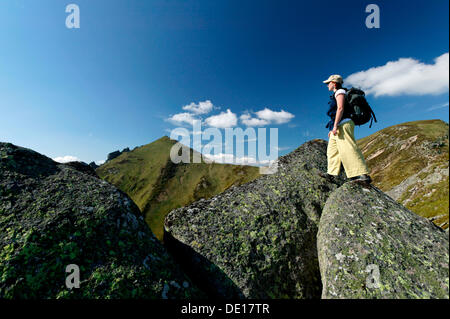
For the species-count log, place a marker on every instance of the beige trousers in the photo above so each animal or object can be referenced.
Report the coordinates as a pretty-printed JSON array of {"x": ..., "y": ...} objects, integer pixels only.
[{"x": 342, "y": 148}]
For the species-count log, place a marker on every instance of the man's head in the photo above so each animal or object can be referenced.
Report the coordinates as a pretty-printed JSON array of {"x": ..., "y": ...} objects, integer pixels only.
[{"x": 334, "y": 82}]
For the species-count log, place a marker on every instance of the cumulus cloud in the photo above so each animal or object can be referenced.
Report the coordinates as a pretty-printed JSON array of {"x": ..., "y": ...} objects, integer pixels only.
[
  {"x": 222, "y": 120},
  {"x": 66, "y": 159},
  {"x": 200, "y": 108},
  {"x": 273, "y": 116},
  {"x": 183, "y": 118},
  {"x": 246, "y": 119},
  {"x": 265, "y": 117},
  {"x": 193, "y": 110},
  {"x": 228, "y": 119},
  {"x": 227, "y": 158},
  {"x": 406, "y": 76}
]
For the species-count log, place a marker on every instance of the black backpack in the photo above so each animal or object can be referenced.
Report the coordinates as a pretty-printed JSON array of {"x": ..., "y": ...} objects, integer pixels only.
[{"x": 358, "y": 107}]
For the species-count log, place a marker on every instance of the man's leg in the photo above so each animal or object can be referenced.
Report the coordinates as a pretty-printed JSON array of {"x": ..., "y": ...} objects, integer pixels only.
[
  {"x": 351, "y": 156},
  {"x": 333, "y": 158}
]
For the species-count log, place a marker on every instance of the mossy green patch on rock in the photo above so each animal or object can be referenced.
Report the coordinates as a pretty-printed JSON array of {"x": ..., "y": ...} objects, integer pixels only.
[
  {"x": 257, "y": 240},
  {"x": 372, "y": 247},
  {"x": 53, "y": 215}
]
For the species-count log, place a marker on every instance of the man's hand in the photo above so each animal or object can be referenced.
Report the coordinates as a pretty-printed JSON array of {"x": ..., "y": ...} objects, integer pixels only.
[{"x": 335, "y": 130}]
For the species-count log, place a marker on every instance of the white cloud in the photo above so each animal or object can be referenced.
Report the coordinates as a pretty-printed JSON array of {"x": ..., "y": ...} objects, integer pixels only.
[
  {"x": 183, "y": 118},
  {"x": 200, "y": 108},
  {"x": 101, "y": 162},
  {"x": 227, "y": 158},
  {"x": 66, "y": 159},
  {"x": 275, "y": 117},
  {"x": 265, "y": 117},
  {"x": 439, "y": 106},
  {"x": 223, "y": 120},
  {"x": 406, "y": 76},
  {"x": 246, "y": 119},
  {"x": 228, "y": 119}
]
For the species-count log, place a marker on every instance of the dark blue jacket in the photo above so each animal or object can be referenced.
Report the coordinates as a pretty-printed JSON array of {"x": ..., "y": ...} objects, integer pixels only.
[{"x": 332, "y": 110}]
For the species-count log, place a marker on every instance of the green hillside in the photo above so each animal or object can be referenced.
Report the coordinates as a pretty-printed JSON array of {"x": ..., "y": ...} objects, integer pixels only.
[
  {"x": 157, "y": 185},
  {"x": 410, "y": 162}
]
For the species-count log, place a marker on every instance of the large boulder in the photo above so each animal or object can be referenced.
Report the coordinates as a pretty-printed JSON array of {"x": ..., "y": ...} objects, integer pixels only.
[
  {"x": 53, "y": 215},
  {"x": 257, "y": 240},
  {"x": 370, "y": 246}
]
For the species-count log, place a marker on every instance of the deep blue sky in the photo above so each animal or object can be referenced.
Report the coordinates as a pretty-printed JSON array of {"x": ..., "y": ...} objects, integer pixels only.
[{"x": 115, "y": 81}]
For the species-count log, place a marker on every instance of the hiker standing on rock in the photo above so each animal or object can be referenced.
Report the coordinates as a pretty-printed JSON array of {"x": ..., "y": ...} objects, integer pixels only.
[{"x": 342, "y": 147}]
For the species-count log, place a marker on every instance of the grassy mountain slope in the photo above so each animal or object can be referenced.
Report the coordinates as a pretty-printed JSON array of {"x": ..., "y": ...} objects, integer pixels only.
[
  {"x": 157, "y": 185},
  {"x": 410, "y": 162}
]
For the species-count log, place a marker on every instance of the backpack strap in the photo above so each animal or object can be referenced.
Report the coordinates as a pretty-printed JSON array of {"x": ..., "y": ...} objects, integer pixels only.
[{"x": 372, "y": 118}]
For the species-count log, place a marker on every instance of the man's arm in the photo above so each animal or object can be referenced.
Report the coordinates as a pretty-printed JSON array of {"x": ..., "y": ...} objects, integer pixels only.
[{"x": 340, "y": 111}]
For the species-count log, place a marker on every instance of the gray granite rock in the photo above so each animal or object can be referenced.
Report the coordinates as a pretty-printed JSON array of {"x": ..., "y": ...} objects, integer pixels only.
[
  {"x": 257, "y": 240},
  {"x": 370, "y": 246}
]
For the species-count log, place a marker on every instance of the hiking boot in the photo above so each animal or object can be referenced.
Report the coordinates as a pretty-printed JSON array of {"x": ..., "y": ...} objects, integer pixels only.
[
  {"x": 362, "y": 178},
  {"x": 330, "y": 178}
]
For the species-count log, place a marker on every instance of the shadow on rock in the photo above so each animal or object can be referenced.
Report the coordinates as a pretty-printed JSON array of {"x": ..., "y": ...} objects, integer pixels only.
[{"x": 207, "y": 276}]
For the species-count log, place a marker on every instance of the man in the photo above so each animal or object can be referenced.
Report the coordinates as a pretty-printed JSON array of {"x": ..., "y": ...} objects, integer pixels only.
[{"x": 342, "y": 147}]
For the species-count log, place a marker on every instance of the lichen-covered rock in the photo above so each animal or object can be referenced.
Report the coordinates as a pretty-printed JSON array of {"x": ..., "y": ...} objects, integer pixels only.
[
  {"x": 53, "y": 215},
  {"x": 83, "y": 168},
  {"x": 257, "y": 240},
  {"x": 370, "y": 246}
]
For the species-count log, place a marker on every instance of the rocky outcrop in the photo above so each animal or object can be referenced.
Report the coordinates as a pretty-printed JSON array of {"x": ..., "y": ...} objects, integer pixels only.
[
  {"x": 113, "y": 155},
  {"x": 257, "y": 240},
  {"x": 291, "y": 234},
  {"x": 116, "y": 154},
  {"x": 53, "y": 215},
  {"x": 83, "y": 168},
  {"x": 93, "y": 165},
  {"x": 370, "y": 246}
]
